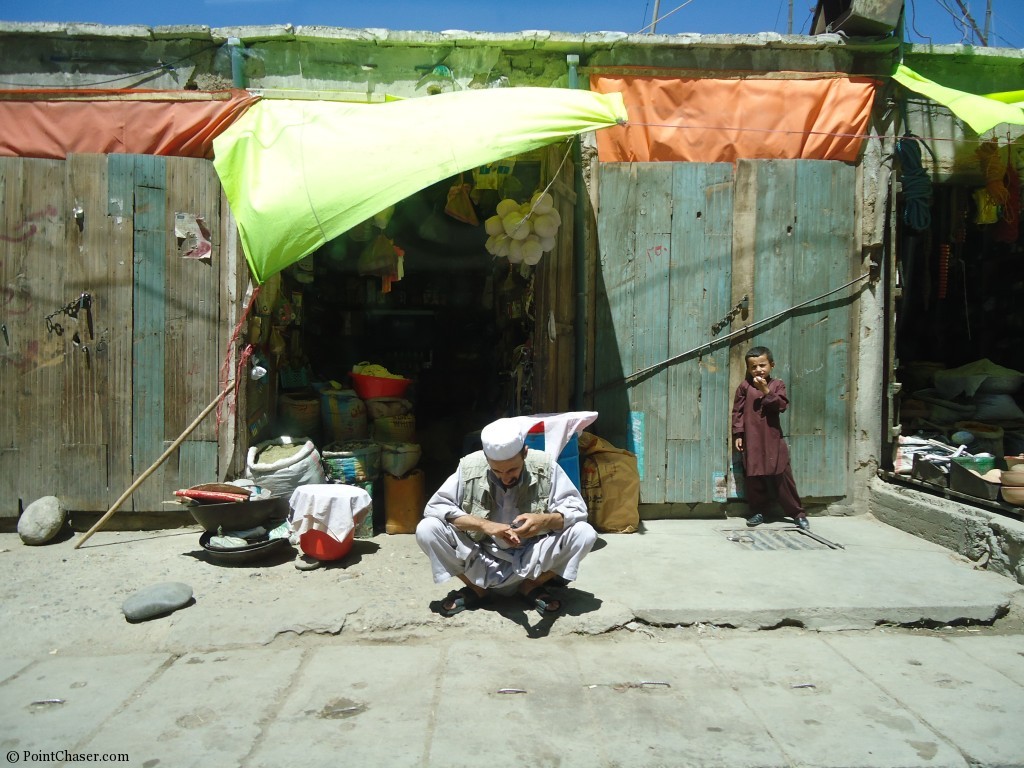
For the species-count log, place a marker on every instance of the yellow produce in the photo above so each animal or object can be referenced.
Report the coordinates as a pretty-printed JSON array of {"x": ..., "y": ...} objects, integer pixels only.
[
  {"x": 505, "y": 207},
  {"x": 372, "y": 369}
]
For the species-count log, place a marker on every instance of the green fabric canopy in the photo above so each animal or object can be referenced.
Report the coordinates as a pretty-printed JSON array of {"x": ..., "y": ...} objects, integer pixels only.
[
  {"x": 299, "y": 173},
  {"x": 982, "y": 113}
]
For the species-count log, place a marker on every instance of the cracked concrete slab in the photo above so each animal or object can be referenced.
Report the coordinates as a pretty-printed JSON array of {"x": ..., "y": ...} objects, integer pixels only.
[{"x": 677, "y": 572}]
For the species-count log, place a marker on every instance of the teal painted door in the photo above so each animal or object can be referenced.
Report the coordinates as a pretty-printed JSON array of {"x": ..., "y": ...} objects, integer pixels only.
[{"x": 680, "y": 244}]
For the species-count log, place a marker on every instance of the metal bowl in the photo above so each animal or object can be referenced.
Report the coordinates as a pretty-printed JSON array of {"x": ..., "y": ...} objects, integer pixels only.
[
  {"x": 240, "y": 516},
  {"x": 240, "y": 555}
]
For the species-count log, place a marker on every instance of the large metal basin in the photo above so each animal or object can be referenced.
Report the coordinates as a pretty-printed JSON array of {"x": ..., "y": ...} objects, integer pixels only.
[{"x": 240, "y": 516}]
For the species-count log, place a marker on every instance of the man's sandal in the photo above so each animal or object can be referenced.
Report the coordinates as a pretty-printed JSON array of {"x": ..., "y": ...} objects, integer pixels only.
[
  {"x": 541, "y": 600},
  {"x": 459, "y": 600}
]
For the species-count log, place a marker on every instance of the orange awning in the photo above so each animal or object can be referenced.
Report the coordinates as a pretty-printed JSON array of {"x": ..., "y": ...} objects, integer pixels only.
[
  {"x": 723, "y": 120},
  {"x": 55, "y": 123}
]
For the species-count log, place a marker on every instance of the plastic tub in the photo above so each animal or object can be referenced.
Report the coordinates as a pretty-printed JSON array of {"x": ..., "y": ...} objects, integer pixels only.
[
  {"x": 323, "y": 546},
  {"x": 368, "y": 387}
]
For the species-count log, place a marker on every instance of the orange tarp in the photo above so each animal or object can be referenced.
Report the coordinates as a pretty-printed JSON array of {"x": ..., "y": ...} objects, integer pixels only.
[
  {"x": 54, "y": 124},
  {"x": 717, "y": 120}
]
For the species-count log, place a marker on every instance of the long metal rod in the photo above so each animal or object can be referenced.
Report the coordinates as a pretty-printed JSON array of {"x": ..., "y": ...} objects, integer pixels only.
[
  {"x": 740, "y": 331},
  {"x": 817, "y": 538},
  {"x": 163, "y": 457}
]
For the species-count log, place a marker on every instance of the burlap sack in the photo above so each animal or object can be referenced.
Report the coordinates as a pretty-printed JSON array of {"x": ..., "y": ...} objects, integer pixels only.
[{"x": 610, "y": 483}]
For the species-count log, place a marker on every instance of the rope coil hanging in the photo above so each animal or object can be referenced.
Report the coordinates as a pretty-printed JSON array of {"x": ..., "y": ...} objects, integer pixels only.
[{"x": 917, "y": 187}]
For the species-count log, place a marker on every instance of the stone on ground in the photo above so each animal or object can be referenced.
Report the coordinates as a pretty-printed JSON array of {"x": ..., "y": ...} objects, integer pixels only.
[
  {"x": 41, "y": 520},
  {"x": 156, "y": 600}
]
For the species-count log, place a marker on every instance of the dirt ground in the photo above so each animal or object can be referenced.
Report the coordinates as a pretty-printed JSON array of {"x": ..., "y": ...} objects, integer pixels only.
[{"x": 67, "y": 600}]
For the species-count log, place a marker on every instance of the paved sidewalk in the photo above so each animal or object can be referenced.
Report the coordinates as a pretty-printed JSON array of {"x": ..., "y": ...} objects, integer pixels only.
[
  {"x": 889, "y": 652},
  {"x": 778, "y": 698}
]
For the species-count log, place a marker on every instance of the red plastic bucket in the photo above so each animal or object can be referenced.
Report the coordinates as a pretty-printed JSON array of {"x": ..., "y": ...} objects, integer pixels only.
[{"x": 323, "y": 546}]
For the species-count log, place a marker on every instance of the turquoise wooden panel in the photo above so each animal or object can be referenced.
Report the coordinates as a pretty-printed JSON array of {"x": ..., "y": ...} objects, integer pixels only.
[
  {"x": 804, "y": 234},
  {"x": 805, "y": 229},
  {"x": 148, "y": 315},
  {"x": 197, "y": 462},
  {"x": 120, "y": 185},
  {"x": 613, "y": 359},
  {"x": 700, "y": 280},
  {"x": 774, "y": 274},
  {"x": 819, "y": 439},
  {"x": 652, "y": 317}
]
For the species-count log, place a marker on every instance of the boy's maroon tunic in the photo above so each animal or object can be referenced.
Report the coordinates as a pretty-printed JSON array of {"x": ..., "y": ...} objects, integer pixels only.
[{"x": 755, "y": 418}]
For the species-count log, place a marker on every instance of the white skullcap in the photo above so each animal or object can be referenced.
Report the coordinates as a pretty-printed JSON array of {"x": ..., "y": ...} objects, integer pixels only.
[{"x": 502, "y": 440}]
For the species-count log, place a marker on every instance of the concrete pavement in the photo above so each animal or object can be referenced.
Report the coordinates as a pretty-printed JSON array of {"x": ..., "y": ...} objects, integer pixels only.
[{"x": 890, "y": 652}]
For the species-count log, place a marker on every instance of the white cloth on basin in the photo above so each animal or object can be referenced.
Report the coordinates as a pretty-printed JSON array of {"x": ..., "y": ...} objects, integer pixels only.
[{"x": 332, "y": 508}]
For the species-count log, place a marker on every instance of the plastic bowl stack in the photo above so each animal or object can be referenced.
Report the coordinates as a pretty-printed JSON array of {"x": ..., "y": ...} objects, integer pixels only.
[{"x": 1012, "y": 489}]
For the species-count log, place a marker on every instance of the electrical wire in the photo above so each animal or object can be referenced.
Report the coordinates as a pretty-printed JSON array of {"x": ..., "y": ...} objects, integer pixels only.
[{"x": 665, "y": 16}]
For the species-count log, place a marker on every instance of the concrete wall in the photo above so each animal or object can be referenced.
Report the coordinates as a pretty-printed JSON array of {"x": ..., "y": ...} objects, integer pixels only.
[{"x": 993, "y": 541}]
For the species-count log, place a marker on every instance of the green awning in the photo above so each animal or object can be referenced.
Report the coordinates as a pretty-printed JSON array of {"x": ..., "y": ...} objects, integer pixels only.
[
  {"x": 981, "y": 112},
  {"x": 299, "y": 173}
]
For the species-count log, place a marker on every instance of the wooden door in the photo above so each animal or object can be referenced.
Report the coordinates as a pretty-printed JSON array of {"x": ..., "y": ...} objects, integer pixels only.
[
  {"x": 681, "y": 244},
  {"x": 88, "y": 410},
  {"x": 554, "y": 338}
]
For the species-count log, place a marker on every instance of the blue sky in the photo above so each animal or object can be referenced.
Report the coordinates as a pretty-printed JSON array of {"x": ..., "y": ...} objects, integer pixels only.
[{"x": 933, "y": 19}]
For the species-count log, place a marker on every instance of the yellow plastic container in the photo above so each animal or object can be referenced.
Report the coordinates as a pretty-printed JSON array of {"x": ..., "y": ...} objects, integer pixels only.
[{"x": 404, "y": 499}]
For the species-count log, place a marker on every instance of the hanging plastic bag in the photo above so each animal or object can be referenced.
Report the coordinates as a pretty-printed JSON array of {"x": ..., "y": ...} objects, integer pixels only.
[
  {"x": 987, "y": 210},
  {"x": 379, "y": 258},
  {"x": 459, "y": 205}
]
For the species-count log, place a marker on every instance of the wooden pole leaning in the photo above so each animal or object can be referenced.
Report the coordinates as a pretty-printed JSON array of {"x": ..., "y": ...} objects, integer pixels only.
[{"x": 163, "y": 457}]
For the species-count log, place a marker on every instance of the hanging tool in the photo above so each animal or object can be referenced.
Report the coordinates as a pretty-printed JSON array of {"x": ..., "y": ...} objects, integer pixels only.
[
  {"x": 85, "y": 302},
  {"x": 943, "y": 270},
  {"x": 71, "y": 309}
]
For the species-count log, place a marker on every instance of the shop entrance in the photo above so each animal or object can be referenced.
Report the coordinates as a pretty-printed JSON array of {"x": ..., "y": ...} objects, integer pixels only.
[
  {"x": 957, "y": 289},
  {"x": 459, "y": 323}
]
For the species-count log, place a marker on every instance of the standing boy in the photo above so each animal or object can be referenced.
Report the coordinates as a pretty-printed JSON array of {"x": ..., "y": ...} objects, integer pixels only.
[{"x": 757, "y": 435}]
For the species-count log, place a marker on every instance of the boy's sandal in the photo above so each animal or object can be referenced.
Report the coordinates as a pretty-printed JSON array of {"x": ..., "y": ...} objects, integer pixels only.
[
  {"x": 541, "y": 600},
  {"x": 459, "y": 600}
]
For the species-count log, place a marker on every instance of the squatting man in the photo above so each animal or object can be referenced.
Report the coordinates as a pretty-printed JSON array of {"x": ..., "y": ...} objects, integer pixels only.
[{"x": 506, "y": 522}]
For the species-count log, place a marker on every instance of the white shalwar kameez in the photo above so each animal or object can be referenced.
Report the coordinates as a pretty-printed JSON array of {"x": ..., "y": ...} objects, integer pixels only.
[{"x": 493, "y": 564}]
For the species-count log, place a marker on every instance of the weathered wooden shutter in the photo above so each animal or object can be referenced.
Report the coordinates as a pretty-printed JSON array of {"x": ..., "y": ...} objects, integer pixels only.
[
  {"x": 85, "y": 415},
  {"x": 555, "y": 295},
  {"x": 668, "y": 274},
  {"x": 802, "y": 222},
  {"x": 177, "y": 335},
  {"x": 666, "y": 238}
]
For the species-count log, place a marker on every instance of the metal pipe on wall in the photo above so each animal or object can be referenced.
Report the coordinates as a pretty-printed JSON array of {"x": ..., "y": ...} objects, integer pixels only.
[
  {"x": 579, "y": 254},
  {"x": 237, "y": 62}
]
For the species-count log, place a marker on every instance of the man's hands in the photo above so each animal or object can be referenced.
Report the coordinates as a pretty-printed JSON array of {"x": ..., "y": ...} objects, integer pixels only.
[{"x": 525, "y": 526}]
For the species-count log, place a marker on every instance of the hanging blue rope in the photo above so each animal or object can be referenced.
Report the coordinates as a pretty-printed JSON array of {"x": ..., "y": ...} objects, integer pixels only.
[{"x": 917, "y": 187}]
